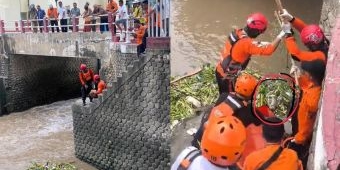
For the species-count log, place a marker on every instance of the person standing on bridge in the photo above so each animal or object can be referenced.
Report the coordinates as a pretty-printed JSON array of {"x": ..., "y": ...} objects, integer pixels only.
[
  {"x": 98, "y": 11},
  {"x": 87, "y": 15},
  {"x": 222, "y": 145},
  {"x": 112, "y": 7},
  {"x": 123, "y": 18},
  {"x": 238, "y": 49},
  {"x": 33, "y": 16},
  {"x": 75, "y": 12},
  {"x": 86, "y": 79},
  {"x": 41, "y": 15},
  {"x": 52, "y": 14},
  {"x": 62, "y": 16},
  {"x": 273, "y": 156},
  {"x": 99, "y": 86}
]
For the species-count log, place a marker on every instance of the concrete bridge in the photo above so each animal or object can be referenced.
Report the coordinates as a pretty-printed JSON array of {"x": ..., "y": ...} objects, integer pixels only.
[{"x": 55, "y": 57}]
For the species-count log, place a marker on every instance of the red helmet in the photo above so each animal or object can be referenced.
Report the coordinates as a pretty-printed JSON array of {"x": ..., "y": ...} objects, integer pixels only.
[
  {"x": 312, "y": 34},
  {"x": 257, "y": 21},
  {"x": 96, "y": 77},
  {"x": 223, "y": 140},
  {"x": 83, "y": 67}
]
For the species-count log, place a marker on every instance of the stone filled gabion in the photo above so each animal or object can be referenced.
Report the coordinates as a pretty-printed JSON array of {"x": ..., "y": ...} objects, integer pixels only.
[{"x": 130, "y": 128}]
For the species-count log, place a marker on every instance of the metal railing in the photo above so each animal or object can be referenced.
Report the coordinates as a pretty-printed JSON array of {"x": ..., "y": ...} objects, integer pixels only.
[
  {"x": 160, "y": 28},
  {"x": 78, "y": 25},
  {"x": 159, "y": 20}
]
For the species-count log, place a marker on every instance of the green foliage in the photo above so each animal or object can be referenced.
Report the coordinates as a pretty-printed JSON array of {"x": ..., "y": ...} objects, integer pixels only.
[
  {"x": 52, "y": 166},
  {"x": 202, "y": 87},
  {"x": 281, "y": 92}
]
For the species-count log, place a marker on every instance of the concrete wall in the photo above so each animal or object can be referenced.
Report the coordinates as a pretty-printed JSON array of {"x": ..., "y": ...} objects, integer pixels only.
[
  {"x": 37, "y": 80},
  {"x": 62, "y": 45},
  {"x": 128, "y": 127},
  {"x": 325, "y": 147},
  {"x": 330, "y": 10}
]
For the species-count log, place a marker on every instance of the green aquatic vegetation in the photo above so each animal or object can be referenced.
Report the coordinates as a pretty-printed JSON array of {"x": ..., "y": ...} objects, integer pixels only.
[
  {"x": 202, "y": 87},
  {"x": 280, "y": 94},
  {"x": 52, "y": 166}
]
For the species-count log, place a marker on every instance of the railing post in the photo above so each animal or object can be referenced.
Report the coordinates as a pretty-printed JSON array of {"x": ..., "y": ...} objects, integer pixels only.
[
  {"x": 127, "y": 32},
  {"x": 111, "y": 29},
  {"x": 2, "y": 27},
  {"x": 45, "y": 23},
  {"x": 29, "y": 26},
  {"x": 74, "y": 24},
  {"x": 16, "y": 26},
  {"x": 22, "y": 26}
]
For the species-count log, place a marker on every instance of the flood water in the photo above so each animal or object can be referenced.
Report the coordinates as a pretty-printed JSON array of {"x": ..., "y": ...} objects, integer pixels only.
[
  {"x": 40, "y": 134},
  {"x": 200, "y": 29}
]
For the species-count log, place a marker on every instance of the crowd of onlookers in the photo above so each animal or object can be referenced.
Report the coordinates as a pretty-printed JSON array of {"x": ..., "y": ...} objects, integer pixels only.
[{"x": 137, "y": 10}]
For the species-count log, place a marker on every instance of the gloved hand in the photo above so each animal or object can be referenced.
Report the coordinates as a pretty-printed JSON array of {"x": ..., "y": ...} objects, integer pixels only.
[
  {"x": 286, "y": 28},
  {"x": 281, "y": 34},
  {"x": 295, "y": 69},
  {"x": 286, "y": 16}
]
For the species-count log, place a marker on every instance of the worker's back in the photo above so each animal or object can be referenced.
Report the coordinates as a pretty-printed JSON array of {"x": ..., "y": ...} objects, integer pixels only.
[{"x": 287, "y": 159}]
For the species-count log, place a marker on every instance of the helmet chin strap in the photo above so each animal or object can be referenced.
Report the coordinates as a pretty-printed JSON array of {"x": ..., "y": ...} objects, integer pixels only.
[{"x": 252, "y": 33}]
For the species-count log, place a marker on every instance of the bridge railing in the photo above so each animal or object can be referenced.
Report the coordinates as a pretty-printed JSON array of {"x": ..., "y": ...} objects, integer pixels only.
[
  {"x": 77, "y": 25},
  {"x": 159, "y": 18},
  {"x": 158, "y": 23}
]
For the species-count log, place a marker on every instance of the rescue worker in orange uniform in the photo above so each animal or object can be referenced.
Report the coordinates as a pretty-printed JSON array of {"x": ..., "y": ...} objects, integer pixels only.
[
  {"x": 312, "y": 37},
  {"x": 139, "y": 34},
  {"x": 99, "y": 86},
  {"x": 223, "y": 142},
  {"x": 273, "y": 156},
  {"x": 240, "y": 47},
  {"x": 86, "y": 79},
  {"x": 237, "y": 104},
  {"x": 303, "y": 122},
  {"x": 234, "y": 103}
]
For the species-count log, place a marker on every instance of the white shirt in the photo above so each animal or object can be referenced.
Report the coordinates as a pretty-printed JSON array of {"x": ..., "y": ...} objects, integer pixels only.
[
  {"x": 166, "y": 8},
  {"x": 123, "y": 12},
  {"x": 61, "y": 12},
  {"x": 200, "y": 163}
]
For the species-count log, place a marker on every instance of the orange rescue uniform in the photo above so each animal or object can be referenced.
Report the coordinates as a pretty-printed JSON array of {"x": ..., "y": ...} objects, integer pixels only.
[
  {"x": 244, "y": 48},
  {"x": 84, "y": 77},
  {"x": 52, "y": 13},
  {"x": 288, "y": 159},
  {"x": 101, "y": 87},
  {"x": 293, "y": 48},
  {"x": 308, "y": 108},
  {"x": 112, "y": 7},
  {"x": 140, "y": 34}
]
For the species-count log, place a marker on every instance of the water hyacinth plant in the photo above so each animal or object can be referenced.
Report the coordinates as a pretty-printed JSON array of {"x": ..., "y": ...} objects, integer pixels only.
[{"x": 52, "y": 166}]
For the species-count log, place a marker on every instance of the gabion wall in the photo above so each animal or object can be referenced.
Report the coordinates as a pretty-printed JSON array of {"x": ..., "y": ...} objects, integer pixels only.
[
  {"x": 128, "y": 127},
  {"x": 39, "y": 80}
]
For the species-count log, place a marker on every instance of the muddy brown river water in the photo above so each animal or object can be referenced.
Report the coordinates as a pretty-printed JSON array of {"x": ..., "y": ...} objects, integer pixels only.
[
  {"x": 200, "y": 29},
  {"x": 40, "y": 134}
]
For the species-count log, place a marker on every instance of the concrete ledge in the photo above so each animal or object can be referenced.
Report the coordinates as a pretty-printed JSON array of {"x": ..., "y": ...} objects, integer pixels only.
[{"x": 160, "y": 43}]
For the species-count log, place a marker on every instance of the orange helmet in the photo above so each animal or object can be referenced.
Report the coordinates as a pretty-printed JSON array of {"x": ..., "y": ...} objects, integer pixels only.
[
  {"x": 223, "y": 140},
  {"x": 245, "y": 85}
]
